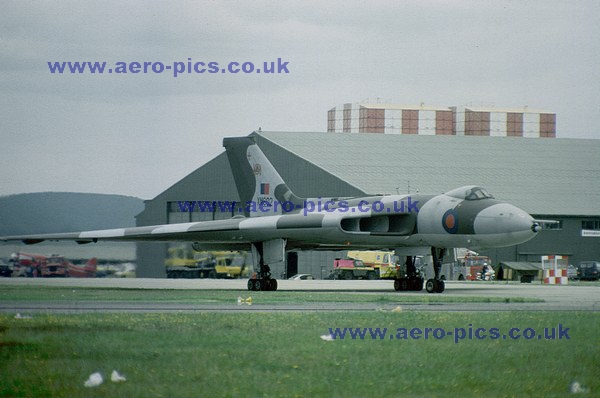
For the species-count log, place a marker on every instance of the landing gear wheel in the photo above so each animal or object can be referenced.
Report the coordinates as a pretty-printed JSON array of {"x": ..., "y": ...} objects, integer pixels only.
[
  {"x": 268, "y": 285},
  {"x": 257, "y": 285},
  {"x": 413, "y": 284},
  {"x": 404, "y": 284},
  {"x": 435, "y": 286},
  {"x": 401, "y": 285},
  {"x": 431, "y": 285},
  {"x": 416, "y": 284},
  {"x": 441, "y": 287}
]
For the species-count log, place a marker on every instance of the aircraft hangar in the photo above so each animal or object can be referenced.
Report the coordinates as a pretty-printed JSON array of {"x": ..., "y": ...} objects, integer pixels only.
[{"x": 556, "y": 179}]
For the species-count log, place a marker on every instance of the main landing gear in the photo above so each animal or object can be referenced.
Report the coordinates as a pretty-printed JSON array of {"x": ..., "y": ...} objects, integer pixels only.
[
  {"x": 265, "y": 284},
  {"x": 262, "y": 280},
  {"x": 436, "y": 285},
  {"x": 411, "y": 281}
]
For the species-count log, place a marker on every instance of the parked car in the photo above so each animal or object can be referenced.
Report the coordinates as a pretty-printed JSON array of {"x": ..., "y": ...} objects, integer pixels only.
[
  {"x": 589, "y": 270},
  {"x": 301, "y": 277}
]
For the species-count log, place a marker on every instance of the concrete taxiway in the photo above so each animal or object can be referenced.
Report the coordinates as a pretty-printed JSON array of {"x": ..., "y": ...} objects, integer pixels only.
[{"x": 554, "y": 298}]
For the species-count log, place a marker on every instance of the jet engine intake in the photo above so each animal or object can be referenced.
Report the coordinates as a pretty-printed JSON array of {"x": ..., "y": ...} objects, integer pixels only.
[{"x": 398, "y": 224}]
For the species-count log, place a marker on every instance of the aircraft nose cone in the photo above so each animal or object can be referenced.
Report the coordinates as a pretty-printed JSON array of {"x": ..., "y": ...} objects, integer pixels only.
[{"x": 504, "y": 218}]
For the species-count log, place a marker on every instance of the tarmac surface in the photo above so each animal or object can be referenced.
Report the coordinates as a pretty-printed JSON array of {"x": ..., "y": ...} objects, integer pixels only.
[{"x": 554, "y": 297}]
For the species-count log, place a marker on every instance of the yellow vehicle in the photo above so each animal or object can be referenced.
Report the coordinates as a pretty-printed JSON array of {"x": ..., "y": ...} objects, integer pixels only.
[
  {"x": 181, "y": 256},
  {"x": 384, "y": 262},
  {"x": 185, "y": 262},
  {"x": 228, "y": 265}
]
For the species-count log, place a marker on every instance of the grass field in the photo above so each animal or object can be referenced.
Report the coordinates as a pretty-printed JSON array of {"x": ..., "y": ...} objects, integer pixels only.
[{"x": 282, "y": 354}]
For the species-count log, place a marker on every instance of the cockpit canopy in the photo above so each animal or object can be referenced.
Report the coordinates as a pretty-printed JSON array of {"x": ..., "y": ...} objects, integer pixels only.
[{"x": 470, "y": 192}]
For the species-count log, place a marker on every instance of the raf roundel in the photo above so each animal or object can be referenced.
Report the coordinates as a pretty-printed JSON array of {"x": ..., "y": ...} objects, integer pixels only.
[{"x": 450, "y": 221}]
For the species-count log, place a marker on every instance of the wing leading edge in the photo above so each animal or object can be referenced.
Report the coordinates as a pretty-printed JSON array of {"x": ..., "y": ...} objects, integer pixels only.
[
  {"x": 234, "y": 230},
  {"x": 165, "y": 232}
]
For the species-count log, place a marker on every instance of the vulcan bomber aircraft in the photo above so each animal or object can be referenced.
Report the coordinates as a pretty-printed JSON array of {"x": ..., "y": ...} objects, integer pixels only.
[{"x": 271, "y": 220}]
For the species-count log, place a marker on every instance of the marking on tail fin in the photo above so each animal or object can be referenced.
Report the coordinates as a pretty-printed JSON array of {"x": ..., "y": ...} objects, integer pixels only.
[{"x": 256, "y": 178}]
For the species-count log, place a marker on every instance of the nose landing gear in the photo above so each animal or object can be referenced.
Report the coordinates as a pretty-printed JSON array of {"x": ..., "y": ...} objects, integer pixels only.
[{"x": 436, "y": 285}]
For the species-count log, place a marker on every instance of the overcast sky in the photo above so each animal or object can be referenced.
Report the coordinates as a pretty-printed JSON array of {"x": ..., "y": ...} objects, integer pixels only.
[{"x": 137, "y": 134}]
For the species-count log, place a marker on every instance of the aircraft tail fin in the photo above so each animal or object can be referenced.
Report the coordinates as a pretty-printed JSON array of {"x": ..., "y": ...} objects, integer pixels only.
[
  {"x": 92, "y": 262},
  {"x": 258, "y": 183},
  {"x": 90, "y": 267}
]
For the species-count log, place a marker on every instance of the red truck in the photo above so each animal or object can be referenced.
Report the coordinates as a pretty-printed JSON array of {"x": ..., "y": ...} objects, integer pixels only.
[
  {"x": 475, "y": 268},
  {"x": 352, "y": 269}
]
